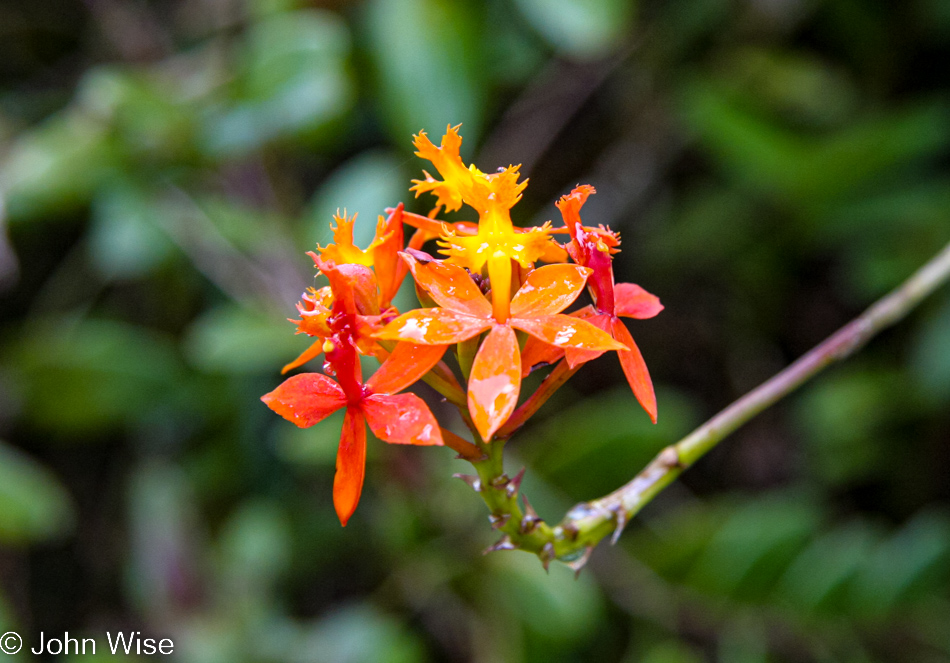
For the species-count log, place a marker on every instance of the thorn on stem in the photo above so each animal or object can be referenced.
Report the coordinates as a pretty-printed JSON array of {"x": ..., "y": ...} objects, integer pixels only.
[
  {"x": 504, "y": 543},
  {"x": 530, "y": 520},
  {"x": 621, "y": 517},
  {"x": 499, "y": 521},
  {"x": 515, "y": 484},
  {"x": 500, "y": 481},
  {"x": 581, "y": 561},
  {"x": 547, "y": 555},
  {"x": 473, "y": 481}
]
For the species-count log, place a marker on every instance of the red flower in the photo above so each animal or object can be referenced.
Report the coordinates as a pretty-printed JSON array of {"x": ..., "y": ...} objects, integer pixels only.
[
  {"x": 593, "y": 247},
  {"x": 308, "y": 398}
]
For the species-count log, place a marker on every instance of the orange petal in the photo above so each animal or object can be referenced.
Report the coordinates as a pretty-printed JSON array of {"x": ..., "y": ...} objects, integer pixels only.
[
  {"x": 306, "y": 399},
  {"x": 350, "y": 465},
  {"x": 549, "y": 290},
  {"x": 390, "y": 270},
  {"x": 433, "y": 326},
  {"x": 537, "y": 353},
  {"x": 401, "y": 419},
  {"x": 450, "y": 286},
  {"x": 565, "y": 331},
  {"x": 495, "y": 380},
  {"x": 636, "y": 370},
  {"x": 407, "y": 363},
  {"x": 632, "y": 301},
  {"x": 353, "y": 285},
  {"x": 313, "y": 351},
  {"x": 602, "y": 321}
]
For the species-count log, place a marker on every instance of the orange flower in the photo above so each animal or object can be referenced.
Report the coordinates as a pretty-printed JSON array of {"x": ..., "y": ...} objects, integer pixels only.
[
  {"x": 593, "y": 248},
  {"x": 349, "y": 301},
  {"x": 381, "y": 254},
  {"x": 495, "y": 380},
  {"x": 308, "y": 398},
  {"x": 496, "y": 242}
]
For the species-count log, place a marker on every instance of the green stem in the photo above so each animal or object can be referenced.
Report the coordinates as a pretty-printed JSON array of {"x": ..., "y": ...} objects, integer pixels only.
[
  {"x": 585, "y": 525},
  {"x": 589, "y": 522}
]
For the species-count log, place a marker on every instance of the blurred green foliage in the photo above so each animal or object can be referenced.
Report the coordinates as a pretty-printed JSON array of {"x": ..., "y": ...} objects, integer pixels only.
[{"x": 773, "y": 167}]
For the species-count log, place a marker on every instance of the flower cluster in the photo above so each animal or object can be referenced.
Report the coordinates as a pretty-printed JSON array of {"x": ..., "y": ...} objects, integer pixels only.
[{"x": 486, "y": 297}]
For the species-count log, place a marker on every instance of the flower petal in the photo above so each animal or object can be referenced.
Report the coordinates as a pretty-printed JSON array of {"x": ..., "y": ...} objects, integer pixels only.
[
  {"x": 636, "y": 370},
  {"x": 310, "y": 353},
  {"x": 401, "y": 419},
  {"x": 536, "y": 354},
  {"x": 565, "y": 331},
  {"x": 549, "y": 290},
  {"x": 450, "y": 286},
  {"x": 350, "y": 465},
  {"x": 576, "y": 357},
  {"x": 433, "y": 326},
  {"x": 306, "y": 399},
  {"x": 407, "y": 363},
  {"x": 354, "y": 286},
  {"x": 495, "y": 380},
  {"x": 632, "y": 301},
  {"x": 390, "y": 270}
]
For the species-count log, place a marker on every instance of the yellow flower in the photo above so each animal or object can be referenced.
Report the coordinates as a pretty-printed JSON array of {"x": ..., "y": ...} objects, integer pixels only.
[{"x": 497, "y": 241}]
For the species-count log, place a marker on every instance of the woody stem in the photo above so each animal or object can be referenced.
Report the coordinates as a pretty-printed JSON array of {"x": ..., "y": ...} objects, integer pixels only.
[{"x": 587, "y": 523}]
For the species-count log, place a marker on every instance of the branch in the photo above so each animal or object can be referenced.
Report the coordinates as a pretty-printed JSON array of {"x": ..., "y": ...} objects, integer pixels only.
[{"x": 589, "y": 522}]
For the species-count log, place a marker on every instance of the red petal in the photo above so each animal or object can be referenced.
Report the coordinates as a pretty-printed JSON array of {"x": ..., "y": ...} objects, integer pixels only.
[
  {"x": 495, "y": 380},
  {"x": 407, "y": 363},
  {"x": 635, "y": 369},
  {"x": 306, "y": 399},
  {"x": 565, "y": 331},
  {"x": 354, "y": 286},
  {"x": 549, "y": 290},
  {"x": 402, "y": 419},
  {"x": 434, "y": 326},
  {"x": 450, "y": 286},
  {"x": 313, "y": 351},
  {"x": 632, "y": 301},
  {"x": 350, "y": 465}
]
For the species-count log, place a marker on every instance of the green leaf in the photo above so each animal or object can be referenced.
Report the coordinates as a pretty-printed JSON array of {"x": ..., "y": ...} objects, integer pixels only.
[
  {"x": 930, "y": 360},
  {"x": 255, "y": 548},
  {"x": 818, "y": 580},
  {"x": 293, "y": 82},
  {"x": 582, "y": 29},
  {"x": 599, "y": 443},
  {"x": 905, "y": 567},
  {"x": 554, "y": 604},
  {"x": 33, "y": 504},
  {"x": 426, "y": 54},
  {"x": 87, "y": 375},
  {"x": 126, "y": 240},
  {"x": 56, "y": 166},
  {"x": 236, "y": 340}
]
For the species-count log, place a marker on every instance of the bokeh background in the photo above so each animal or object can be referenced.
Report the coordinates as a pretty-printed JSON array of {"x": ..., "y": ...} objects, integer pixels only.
[{"x": 773, "y": 165}]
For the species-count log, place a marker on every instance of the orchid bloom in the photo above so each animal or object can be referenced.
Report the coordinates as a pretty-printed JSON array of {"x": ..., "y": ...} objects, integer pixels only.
[
  {"x": 593, "y": 247},
  {"x": 495, "y": 380},
  {"x": 496, "y": 242},
  {"x": 308, "y": 398},
  {"x": 381, "y": 254}
]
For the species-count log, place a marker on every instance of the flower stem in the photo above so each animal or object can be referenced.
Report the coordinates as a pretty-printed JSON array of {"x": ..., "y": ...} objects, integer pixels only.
[
  {"x": 587, "y": 523},
  {"x": 551, "y": 383}
]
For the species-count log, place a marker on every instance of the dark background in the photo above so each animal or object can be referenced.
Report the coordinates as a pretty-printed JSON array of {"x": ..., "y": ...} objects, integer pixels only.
[{"x": 774, "y": 166}]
